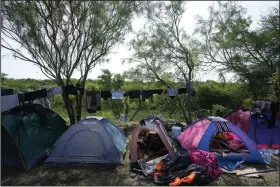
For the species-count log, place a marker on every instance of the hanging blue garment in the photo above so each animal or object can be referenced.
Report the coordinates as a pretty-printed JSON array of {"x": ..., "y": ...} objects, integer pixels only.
[{"x": 117, "y": 94}]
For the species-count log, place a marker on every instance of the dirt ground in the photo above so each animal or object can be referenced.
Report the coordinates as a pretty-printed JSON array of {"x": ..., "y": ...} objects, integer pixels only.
[{"x": 118, "y": 176}]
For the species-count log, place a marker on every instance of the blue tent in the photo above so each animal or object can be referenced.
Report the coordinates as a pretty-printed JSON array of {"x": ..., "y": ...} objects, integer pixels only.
[
  {"x": 90, "y": 141},
  {"x": 200, "y": 133}
]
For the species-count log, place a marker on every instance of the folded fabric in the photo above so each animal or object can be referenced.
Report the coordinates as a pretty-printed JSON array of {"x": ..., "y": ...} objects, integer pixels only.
[
  {"x": 172, "y": 92},
  {"x": 8, "y": 102},
  {"x": 54, "y": 91},
  {"x": 117, "y": 95},
  {"x": 106, "y": 95}
]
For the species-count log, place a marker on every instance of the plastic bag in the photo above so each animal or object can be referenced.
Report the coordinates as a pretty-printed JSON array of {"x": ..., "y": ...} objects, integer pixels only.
[{"x": 266, "y": 155}]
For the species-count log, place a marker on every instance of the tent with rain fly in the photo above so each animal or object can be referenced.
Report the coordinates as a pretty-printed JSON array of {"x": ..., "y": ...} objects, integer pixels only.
[
  {"x": 149, "y": 142},
  {"x": 257, "y": 127},
  {"x": 89, "y": 141},
  {"x": 200, "y": 133},
  {"x": 28, "y": 133}
]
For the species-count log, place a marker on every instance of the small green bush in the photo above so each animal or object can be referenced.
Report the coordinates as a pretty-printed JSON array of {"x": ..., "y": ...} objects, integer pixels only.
[{"x": 219, "y": 110}]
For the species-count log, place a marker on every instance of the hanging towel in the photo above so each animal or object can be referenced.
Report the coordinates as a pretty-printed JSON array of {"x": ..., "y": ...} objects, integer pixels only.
[
  {"x": 117, "y": 95},
  {"x": 8, "y": 102},
  {"x": 172, "y": 92},
  {"x": 31, "y": 96},
  {"x": 182, "y": 90},
  {"x": 54, "y": 91},
  {"x": 6, "y": 91},
  {"x": 92, "y": 101},
  {"x": 106, "y": 95},
  {"x": 157, "y": 91},
  {"x": 146, "y": 94},
  {"x": 133, "y": 94}
]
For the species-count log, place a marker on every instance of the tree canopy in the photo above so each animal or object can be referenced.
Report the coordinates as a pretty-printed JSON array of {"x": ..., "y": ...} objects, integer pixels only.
[{"x": 62, "y": 37}]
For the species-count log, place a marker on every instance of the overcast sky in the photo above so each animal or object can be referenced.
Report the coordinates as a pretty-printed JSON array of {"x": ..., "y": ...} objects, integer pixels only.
[{"x": 16, "y": 68}]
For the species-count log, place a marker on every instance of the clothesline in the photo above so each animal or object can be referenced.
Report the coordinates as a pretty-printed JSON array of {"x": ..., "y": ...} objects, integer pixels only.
[{"x": 93, "y": 98}]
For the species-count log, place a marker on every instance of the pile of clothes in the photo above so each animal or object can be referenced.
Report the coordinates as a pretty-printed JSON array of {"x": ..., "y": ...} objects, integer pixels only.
[
  {"x": 191, "y": 168},
  {"x": 227, "y": 142}
]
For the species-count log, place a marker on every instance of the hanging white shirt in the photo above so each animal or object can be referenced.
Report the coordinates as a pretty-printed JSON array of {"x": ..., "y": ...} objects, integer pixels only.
[{"x": 8, "y": 102}]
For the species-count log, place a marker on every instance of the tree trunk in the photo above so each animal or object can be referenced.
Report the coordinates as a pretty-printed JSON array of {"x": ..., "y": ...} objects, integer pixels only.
[
  {"x": 69, "y": 108},
  {"x": 79, "y": 99},
  {"x": 189, "y": 99}
]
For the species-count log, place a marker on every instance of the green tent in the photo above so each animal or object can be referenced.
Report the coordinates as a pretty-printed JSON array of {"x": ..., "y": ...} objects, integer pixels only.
[{"x": 28, "y": 133}]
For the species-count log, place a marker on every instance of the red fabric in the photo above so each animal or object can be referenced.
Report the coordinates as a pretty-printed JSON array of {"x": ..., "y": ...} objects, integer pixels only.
[
  {"x": 264, "y": 146},
  {"x": 208, "y": 160}
]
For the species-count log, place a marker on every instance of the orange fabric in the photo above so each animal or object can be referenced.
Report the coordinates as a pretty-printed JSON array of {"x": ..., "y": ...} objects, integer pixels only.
[
  {"x": 159, "y": 165},
  {"x": 225, "y": 136},
  {"x": 176, "y": 182},
  {"x": 189, "y": 179}
]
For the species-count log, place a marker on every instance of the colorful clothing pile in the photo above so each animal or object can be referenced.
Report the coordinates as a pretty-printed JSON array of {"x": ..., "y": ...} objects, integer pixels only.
[
  {"x": 208, "y": 160},
  {"x": 179, "y": 172}
]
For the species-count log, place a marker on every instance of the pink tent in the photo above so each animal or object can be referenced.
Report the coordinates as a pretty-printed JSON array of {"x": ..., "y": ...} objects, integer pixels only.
[{"x": 241, "y": 119}]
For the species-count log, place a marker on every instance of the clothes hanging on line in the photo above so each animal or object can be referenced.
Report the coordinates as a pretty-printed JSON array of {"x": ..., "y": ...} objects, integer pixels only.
[
  {"x": 172, "y": 92},
  {"x": 106, "y": 95},
  {"x": 157, "y": 91},
  {"x": 73, "y": 90},
  {"x": 133, "y": 94},
  {"x": 21, "y": 99},
  {"x": 92, "y": 101},
  {"x": 274, "y": 108},
  {"x": 54, "y": 91},
  {"x": 117, "y": 95},
  {"x": 6, "y": 91},
  {"x": 8, "y": 102},
  {"x": 31, "y": 96},
  {"x": 182, "y": 90},
  {"x": 146, "y": 94}
]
